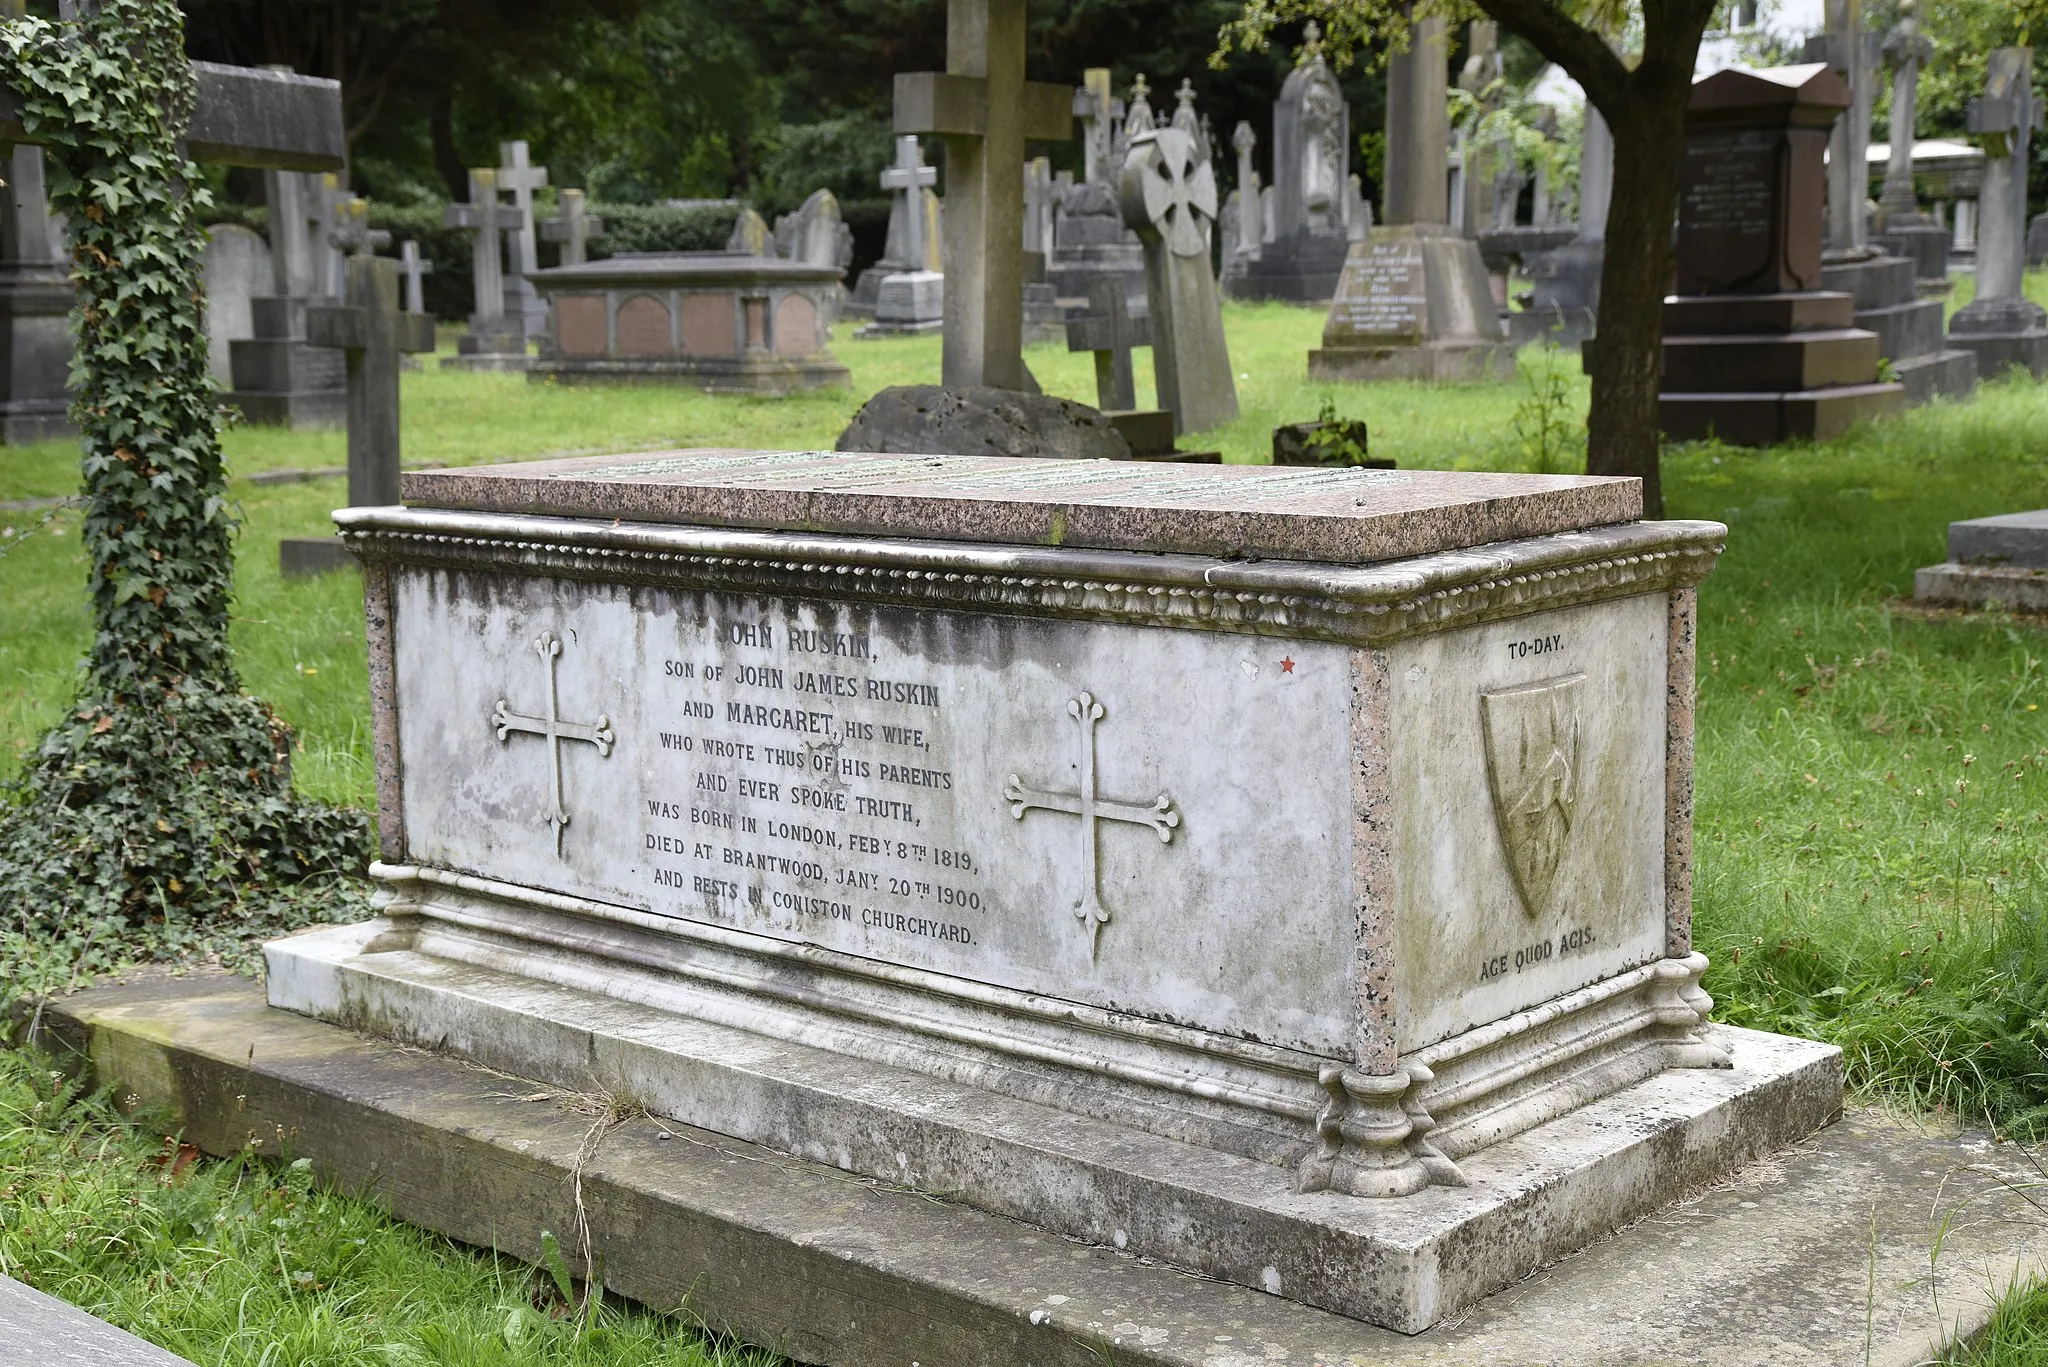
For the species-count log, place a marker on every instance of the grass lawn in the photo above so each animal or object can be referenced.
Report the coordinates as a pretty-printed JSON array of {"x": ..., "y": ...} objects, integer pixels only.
[{"x": 1873, "y": 807}]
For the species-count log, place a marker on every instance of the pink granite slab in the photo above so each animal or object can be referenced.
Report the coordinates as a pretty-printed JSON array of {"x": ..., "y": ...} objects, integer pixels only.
[{"x": 1342, "y": 516}]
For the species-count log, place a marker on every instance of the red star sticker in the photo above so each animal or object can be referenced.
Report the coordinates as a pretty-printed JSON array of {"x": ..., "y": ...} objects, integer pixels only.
[{"x": 1287, "y": 665}]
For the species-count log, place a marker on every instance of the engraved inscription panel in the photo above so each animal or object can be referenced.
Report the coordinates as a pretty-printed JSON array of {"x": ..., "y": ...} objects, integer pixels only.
[
  {"x": 1381, "y": 296},
  {"x": 1148, "y": 820},
  {"x": 1528, "y": 773}
]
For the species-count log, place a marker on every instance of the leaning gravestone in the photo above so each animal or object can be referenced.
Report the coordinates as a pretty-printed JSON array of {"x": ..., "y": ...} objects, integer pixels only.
[
  {"x": 1755, "y": 351},
  {"x": 237, "y": 264},
  {"x": 1236, "y": 866},
  {"x": 1169, "y": 198}
]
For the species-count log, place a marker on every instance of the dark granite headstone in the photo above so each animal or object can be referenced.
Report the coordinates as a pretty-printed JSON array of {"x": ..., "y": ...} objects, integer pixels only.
[{"x": 1755, "y": 351}]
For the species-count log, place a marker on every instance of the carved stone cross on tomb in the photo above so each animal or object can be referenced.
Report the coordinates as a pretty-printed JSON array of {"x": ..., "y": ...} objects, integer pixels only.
[
  {"x": 1087, "y": 804},
  {"x": 551, "y": 728},
  {"x": 986, "y": 111},
  {"x": 519, "y": 178},
  {"x": 486, "y": 218}
]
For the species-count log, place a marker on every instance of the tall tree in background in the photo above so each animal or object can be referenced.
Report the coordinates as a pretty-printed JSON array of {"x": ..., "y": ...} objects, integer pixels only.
[
  {"x": 413, "y": 52},
  {"x": 1643, "y": 99}
]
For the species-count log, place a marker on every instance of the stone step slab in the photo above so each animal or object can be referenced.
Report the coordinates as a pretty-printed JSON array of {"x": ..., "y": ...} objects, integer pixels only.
[
  {"x": 1820, "y": 1257},
  {"x": 45, "y": 1332}
]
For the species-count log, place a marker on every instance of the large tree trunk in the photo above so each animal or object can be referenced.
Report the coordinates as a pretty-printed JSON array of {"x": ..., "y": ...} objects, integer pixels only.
[{"x": 1626, "y": 360}]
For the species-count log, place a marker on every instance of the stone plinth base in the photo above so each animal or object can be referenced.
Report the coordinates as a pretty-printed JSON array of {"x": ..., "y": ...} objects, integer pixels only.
[
  {"x": 1809, "y": 1249},
  {"x": 1908, "y": 326},
  {"x": 1761, "y": 419},
  {"x": 1403, "y": 1263},
  {"x": 2003, "y": 333},
  {"x": 488, "y": 360},
  {"x": 1565, "y": 327},
  {"x": 1923, "y": 244},
  {"x": 30, "y": 420},
  {"x": 2010, "y": 588},
  {"x": 305, "y": 408},
  {"x": 910, "y": 303},
  {"x": 1303, "y": 270},
  {"x": 1753, "y": 369},
  {"x": 1436, "y": 361},
  {"x": 1414, "y": 303},
  {"x": 764, "y": 374},
  {"x": 299, "y": 557}
]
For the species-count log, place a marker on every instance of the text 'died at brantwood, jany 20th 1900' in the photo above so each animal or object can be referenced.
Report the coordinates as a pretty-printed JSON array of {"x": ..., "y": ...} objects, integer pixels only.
[{"x": 799, "y": 783}]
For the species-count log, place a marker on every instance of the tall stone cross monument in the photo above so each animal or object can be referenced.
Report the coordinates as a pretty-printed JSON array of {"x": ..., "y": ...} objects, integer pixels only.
[
  {"x": 2001, "y": 325},
  {"x": 908, "y": 179},
  {"x": 519, "y": 178},
  {"x": 1908, "y": 50},
  {"x": 1851, "y": 49},
  {"x": 986, "y": 111}
]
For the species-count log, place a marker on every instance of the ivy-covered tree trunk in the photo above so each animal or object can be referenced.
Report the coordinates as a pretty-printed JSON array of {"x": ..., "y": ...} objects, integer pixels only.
[{"x": 165, "y": 793}]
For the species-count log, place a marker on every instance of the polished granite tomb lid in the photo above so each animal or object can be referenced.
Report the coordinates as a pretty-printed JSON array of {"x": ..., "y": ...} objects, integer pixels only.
[{"x": 1342, "y": 516}]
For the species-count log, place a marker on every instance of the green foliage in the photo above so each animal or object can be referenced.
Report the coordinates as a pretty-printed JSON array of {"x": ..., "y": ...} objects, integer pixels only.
[
  {"x": 252, "y": 1263},
  {"x": 163, "y": 784},
  {"x": 662, "y": 228},
  {"x": 1549, "y": 427},
  {"x": 1337, "y": 441}
]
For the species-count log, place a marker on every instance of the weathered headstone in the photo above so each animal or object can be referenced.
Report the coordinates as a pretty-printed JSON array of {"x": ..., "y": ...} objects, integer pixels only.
[
  {"x": 35, "y": 306},
  {"x": 1089, "y": 235},
  {"x": 1852, "y": 50},
  {"x": 911, "y": 299},
  {"x": 2001, "y": 325},
  {"x": 750, "y": 235},
  {"x": 1902, "y": 228},
  {"x": 519, "y": 178},
  {"x": 986, "y": 111},
  {"x": 1755, "y": 351},
  {"x": 573, "y": 226},
  {"x": 1312, "y": 206},
  {"x": 280, "y": 379},
  {"x": 2037, "y": 238},
  {"x": 1480, "y": 78},
  {"x": 495, "y": 341},
  {"x": 920, "y": 840},
  {"x": 237, "y": 265},
  {"x": 1414, "y": 301},
  {"x": 817, "y": 236},
  {"x": 725, "y": 322},
  {"x": 1564, "y": 304},
  {"x": 1244, "y": 216},
  {"x": 1169, "y": 198}
]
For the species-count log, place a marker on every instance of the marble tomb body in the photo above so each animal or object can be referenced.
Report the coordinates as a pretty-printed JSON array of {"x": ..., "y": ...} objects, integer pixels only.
[{"x": 1284, "y": 873}]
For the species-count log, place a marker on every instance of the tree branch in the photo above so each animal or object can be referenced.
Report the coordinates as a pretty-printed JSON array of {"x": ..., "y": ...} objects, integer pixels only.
[{"x": 1583, "y": 54}]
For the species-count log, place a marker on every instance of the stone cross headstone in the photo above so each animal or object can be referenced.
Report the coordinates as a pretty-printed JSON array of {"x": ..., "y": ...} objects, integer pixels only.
[
  {"x": 352, "y": 233},
  {"x": 1907, "y": 49},
  {"x": 372, "y": 330},
  {"x": 492, "y": 339},
  {"x": 1109, "y": 331},
  {"x": 1168, "y": 195},
  {"x": 986, "y": 111},
  {"x": 2001, "y": 325},
  {"x": 1101, "y": 114},
  {"x": 573, "y": 226},
  {"x": 1480, "y": 79},
  {"x": 326, "y": 205},
  {"x": 519, "y": 178},
  {"x": 1138, "y": 116},
  {"x": 1251, "y": 227},
  {"x": 414, "y": 269},
  {"x": 907, "y": 181}
]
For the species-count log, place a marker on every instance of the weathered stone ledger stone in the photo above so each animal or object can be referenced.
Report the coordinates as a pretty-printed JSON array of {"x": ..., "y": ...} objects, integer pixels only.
[{"x": 1230, "y": 891}]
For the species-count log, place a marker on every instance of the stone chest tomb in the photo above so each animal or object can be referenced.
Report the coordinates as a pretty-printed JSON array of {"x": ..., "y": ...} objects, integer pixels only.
[
  {"x": 1281, "y": 873},
  {"x": 722, "y": 321}
]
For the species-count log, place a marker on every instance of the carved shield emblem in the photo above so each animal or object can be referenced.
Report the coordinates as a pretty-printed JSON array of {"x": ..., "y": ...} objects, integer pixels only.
[{"x": 1532, "y": 766}]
